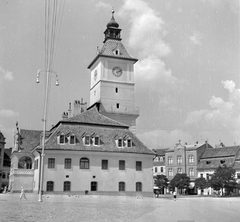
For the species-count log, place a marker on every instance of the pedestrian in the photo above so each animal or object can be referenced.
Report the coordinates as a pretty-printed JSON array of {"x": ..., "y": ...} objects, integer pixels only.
[
  {"x": 22, "y": 194},
  {"x": 5, "y": 190},
  {"x": 174, "y": 195}
]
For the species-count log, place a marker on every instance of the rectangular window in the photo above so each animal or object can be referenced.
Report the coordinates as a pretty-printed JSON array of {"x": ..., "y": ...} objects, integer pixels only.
[
  {"x": 72, "y": 139},
  {"x": 36, "y": 164},
  {"x": 138, "y": 165},
  {"x": 104, "y": 164},
  {"x": 121, "y": 164},
  {"x": 120, "y": 142},
  {"x": 190, "y": 159},
  {"x": 117, "y": 105},
  {"x": 87, "y": 140},
  {"x": 129, "y": 143},
  {"x": 96, "y": 141},
  {"x": 51, "y": 163},
  {"x": 201, "y": 175},
  {"x": 156, "y": 170},
  {"x": 179, "y": 160},
  {"x": 191, "y": 172},
  {"x": 179, "y": 170},
  {"x": 170, "y": 160},
  {"x": 207, "y": 176},
  {"x": 116, "y": 90},
  {"x": 170, "y": 172},
  {"x": 238, "y": 175},
  {"x": 68, "y": 163},
  {"x": 161, "y": 169}
]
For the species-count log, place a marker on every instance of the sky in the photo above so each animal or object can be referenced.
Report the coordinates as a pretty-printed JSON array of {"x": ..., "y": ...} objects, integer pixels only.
[{"x": 187, "y": 75}]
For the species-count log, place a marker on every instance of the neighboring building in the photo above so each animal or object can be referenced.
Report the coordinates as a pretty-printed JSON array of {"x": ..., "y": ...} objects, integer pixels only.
[
  {"x": 159, "y": 168},
  {"x": 112, "y": 79},
  {"x": 213, "y": 158},
  {"x": 6, "y": 167},
  {"x": 95, "y": 149},
  {"x": 184, "y": 159},
  {"x": 2, "y": 145},
  {"x": 159, "y": 162}
]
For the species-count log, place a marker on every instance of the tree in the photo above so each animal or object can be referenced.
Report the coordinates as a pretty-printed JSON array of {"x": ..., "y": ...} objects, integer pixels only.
[
  {"x": 161, "y": 181},
  {"x": 181, "y": 181},
  {"x": 201, "y": 183},
  {"x": 223, "y": 177}
]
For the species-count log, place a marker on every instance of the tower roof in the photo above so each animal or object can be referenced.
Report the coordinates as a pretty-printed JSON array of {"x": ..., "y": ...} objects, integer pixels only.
[{"x": 112, "y": 22}]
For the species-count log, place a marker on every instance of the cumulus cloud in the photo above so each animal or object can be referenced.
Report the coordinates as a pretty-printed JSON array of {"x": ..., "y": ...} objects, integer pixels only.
[
  {"x": 7, "y": 113},
  {"x": 6, "y": 74},
  {"x": 223, "y": 115},
  {"x": 147, "y": 32}
]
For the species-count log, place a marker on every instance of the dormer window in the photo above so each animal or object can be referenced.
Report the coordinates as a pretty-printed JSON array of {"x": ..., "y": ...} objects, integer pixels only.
[
  {"x": 208, "y": 162},
  {"x": 96, "y": 140},
  {"x": 222, "y": 161},
  {"x": 87, "y": 140},
  {"x": 129, "y": 143},
  {"x": 72, "y": 139},
  {"x": 62, "y": 139},
  {"x": 117, "y": 52},
  {"x": 120, "y": 143}
]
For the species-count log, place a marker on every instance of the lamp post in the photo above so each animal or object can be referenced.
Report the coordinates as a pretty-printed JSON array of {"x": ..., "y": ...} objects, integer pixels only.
[{"x": 48, "y": 72}]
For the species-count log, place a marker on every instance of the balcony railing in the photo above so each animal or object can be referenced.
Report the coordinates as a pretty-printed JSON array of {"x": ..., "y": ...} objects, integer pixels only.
[{"x": 23, "y": 171}]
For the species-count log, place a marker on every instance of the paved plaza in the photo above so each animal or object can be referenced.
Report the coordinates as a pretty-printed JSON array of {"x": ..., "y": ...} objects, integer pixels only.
[{"x": 110, "y": 208}]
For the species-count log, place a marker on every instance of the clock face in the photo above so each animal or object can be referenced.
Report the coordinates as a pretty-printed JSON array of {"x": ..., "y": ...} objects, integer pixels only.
[
  {"x": 95, "y": 75},
  {"x": 117, "y": 71}
]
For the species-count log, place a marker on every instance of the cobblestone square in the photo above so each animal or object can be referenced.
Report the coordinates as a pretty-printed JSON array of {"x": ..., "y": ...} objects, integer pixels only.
[{"x": 110, "y": 208}]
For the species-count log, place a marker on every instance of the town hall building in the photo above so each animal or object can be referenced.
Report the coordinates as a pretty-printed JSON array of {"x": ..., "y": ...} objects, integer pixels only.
[{"x": 95, "y": 149}]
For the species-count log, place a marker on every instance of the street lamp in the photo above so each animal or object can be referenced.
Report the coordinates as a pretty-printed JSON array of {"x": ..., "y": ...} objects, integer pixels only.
[{"x": 48, "y": 72}]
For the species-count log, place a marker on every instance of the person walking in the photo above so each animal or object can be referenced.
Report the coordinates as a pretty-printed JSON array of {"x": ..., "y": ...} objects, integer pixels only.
[
  {"x": 174, "y": 195},
  {"x": 22, "y": 194}
]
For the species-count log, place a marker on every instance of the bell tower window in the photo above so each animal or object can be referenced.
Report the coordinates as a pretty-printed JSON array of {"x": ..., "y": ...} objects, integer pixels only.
[
  {"x": 117, "y": 105},
  {"x": 116, "y": 90}
]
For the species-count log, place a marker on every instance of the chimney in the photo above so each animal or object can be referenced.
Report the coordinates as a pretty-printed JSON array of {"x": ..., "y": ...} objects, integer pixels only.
[
  {"x": 69, "y": 111},
  {"x": 64, "y": 115},
  {"x": 83, "y": 106},
  {"x": 76, "y": 108}
]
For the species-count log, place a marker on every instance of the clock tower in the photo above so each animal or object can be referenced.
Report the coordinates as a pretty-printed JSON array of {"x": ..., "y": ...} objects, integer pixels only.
[{"x": 112, "y": 79}]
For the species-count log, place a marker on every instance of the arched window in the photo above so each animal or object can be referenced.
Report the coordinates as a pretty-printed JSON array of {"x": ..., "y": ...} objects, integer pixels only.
[
  {"x": 25, "y": 162},
  {"x": 84, "y": 163},
  {"x": 67, "y": 186},
  {"x": 50, "y": 186},
  {"x": 139, "y": 186},
  {"x": 121, "y": 186}
]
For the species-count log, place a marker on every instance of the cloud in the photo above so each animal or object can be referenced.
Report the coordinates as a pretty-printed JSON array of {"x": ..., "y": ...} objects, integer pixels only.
[
  {"x": 103, "y": 5},
  {"x": 164, "y": 139},
  {"x": 223, "y": 119},
  {"x": 196, "y": 38},
  {"x": 6, "y": 74},
  {"x": 6, "y": 113}
]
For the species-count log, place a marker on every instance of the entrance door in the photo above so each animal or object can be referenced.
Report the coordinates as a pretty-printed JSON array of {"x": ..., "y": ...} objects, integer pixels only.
[{"x": 93, "y": 186}]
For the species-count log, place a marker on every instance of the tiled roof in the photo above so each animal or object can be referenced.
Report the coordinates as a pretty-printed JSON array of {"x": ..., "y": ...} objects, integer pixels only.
[
  {"x": 220, "y": 152},
  {"x": 92, "y": 116},
  {"x": 215, "y": 163},
  {"x": 238, "y": 154},
  {"x": 107, "y": 135},
  {"x": 160, "y": 152},
  {"x": 236, "y": 165},
  {"x": 111, "y": 45},
  {"x": 29, "y": 139},
  {"x": 108, "y": 50},
  {"x": 91, "y": 122}
]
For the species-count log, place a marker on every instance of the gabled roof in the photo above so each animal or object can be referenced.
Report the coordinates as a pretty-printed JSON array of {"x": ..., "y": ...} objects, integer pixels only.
[
  {"x": 29, "y": 139},
  {"x": 93, "y": 117},
  {"x": 159, "y": 152},
  {"x": 108, "y": 50},
  {"x": 108, "y": 136},
  {"x": 215, "y": 163},
  {"x": 220, "y": 152}
]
